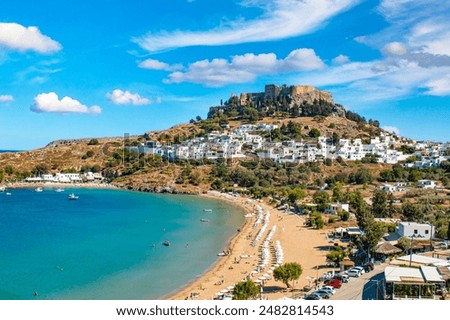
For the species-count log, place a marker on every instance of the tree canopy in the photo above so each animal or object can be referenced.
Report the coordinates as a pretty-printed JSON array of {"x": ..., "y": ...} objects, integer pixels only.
[
  {"x": 288, "y": 272},
  {"x": 379, "y": 204},
  {"x": 245, "y": 290}
]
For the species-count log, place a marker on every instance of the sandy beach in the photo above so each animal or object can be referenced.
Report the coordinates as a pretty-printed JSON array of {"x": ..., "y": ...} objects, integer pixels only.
[{"x": 298, "y": 243}]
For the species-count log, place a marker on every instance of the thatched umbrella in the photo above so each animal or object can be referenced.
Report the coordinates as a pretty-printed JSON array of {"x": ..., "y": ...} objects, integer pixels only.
[
  {"x": 387, "y": 249},
  {"x": 420, "y": 244}
]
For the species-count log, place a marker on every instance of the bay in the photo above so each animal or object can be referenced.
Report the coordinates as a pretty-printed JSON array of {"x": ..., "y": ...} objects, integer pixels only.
[{"x": 108, "y": 243}]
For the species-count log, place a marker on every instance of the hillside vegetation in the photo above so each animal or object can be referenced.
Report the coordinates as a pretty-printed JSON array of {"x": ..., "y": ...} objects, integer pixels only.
[{"x": 291, "y": 184}]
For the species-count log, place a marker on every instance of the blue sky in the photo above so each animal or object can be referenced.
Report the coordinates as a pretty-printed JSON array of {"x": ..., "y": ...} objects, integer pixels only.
[{"x": 104, "y": 68}]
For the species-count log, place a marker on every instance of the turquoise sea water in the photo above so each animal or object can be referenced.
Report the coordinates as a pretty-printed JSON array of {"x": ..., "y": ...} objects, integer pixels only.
[{"x": 108, "y": 243}]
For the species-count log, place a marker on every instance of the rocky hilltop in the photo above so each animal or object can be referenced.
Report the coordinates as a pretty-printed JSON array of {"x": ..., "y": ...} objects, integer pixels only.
[
  {"x": 296, "y": 94},
  {"x": 295, "y": 100}
]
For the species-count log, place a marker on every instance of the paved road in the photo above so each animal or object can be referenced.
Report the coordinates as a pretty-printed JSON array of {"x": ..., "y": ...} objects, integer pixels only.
[{"x": 364, "y": 287}]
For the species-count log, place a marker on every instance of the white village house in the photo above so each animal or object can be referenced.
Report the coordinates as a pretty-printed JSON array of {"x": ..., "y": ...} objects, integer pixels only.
[
  {"x": 334, "y": 208},
  {"x": 423, "y": 231},
  {"x": 426, "y": 184}
]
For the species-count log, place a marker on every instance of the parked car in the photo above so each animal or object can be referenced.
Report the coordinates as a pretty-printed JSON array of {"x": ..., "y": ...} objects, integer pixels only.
[
  {"x": 313, "y": 296},
  {"x": 370, "y": 265},
  {"x": 329, "y": 289},
  {"x": 353, "y": 273},
  {"x": 335, "y": 283},
  {"x": 324, "y": 294},
  {"x": 367, "y": 268},
  {"x": 342, "y": 277},
  {"x": 359, "y": 269}
]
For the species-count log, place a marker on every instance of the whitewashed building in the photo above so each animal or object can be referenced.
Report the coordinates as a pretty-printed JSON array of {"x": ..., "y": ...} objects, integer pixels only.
[
  {"x": 415, "y": 230},
  {"x": 334, "y": 208},
  {"x": 426, "y": 184}
]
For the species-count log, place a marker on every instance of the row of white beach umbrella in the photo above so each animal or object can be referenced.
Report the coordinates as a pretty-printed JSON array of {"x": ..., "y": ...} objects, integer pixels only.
[
  {"x": 227, "y": 292},
  {"x": 259, "y": 217},
  {"x": 279, "y": 256},
  {"x": 262, "y": 230},
  {"x": 265, "y": 252}
]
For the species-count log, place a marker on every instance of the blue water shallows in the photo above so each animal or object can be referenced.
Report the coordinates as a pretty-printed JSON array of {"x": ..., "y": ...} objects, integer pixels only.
[{"x": 108, "y": 243}]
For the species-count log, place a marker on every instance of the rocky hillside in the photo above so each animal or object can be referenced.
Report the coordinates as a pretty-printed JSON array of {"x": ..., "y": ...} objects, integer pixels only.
[
  {"x": 309, "y": 111},
  {"x": 107, "y": 154},
  {"x": 294, "y": 101}
]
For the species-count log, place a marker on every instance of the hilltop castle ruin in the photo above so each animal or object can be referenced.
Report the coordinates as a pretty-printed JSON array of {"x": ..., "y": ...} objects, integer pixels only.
[
  {"x": 295, "y": 100},
  {"x": 297, "y": 94}
]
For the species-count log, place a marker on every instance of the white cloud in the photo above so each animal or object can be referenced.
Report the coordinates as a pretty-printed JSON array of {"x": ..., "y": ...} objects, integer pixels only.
[
  {"x": 416, "y": 57},
  {"x": 6, "y": 98},
  {"x": 420, "y": 25},
  {"x": 126, "y": 97},
  {"x": 341, "y": 59},
  {"x": 50, "y": 103},
  {"x": 302, "y": 60},
  {"x": 439, "y": 86},
  {"x": 17, "y": 37},
  {"x": 432, "y": 36},
  {"x": 392, "y": 129},
  {"x": 253, "y": 63},
  {"x": 281, "y": 19},
  {"x": 394, "y": 49},
  {"x": 246, "y": 68},
  {"x": 153, "y": 64}
]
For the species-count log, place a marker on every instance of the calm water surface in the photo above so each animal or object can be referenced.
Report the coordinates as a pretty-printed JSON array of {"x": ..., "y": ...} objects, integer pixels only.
[{"x": 108, "y": 243}]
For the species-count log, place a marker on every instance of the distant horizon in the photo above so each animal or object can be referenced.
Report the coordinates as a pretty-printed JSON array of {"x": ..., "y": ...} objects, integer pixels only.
[
  {"x": 83, "y": 69},
  {"x": 6, "y": 150}
]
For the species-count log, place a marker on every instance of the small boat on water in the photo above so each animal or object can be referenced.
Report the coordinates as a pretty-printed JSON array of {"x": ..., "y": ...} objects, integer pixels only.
[
  {"x": 39, "y": 189},
  {"x": 166, "y": 243},
  {"x": 72, "y": 196},
  {"x": 2, "y": 188},
  {"x": 204, "y": 220},
  {"x": 59, "y": 190},
  {"x": 207, "y": 210},
  {"x": 8, "y": 193}
]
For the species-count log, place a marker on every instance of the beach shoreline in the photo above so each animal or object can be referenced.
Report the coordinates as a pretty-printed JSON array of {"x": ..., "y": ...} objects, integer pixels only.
[
  {"x": 178, "y": 293},
  {"x": 300, "y": 244}
]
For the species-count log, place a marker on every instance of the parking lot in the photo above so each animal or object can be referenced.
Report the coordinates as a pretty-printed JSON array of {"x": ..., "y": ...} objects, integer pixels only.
[{"x": 369, "y": 286}]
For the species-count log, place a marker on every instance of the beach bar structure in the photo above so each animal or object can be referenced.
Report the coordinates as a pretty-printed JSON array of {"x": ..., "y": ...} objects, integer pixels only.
[{"x": 404, "y": 283}]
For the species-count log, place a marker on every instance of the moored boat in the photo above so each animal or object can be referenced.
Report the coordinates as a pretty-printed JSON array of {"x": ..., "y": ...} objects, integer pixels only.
[
  {"x": 166, "y": 243},
  {"x": 39, "y": 189},
  {"x": 72, "y": 196}
]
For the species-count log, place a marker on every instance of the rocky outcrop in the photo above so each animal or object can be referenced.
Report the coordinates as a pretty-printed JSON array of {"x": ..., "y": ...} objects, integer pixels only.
[
  {"x": 296, "y": 100},
  {"x": 297, "y": 94},
  {"x": 309, "y": 94}
]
